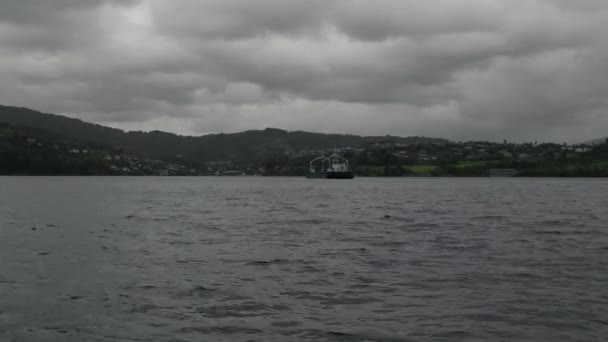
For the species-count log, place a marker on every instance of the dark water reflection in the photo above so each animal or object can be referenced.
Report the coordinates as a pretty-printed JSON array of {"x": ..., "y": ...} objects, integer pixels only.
[{"x": 278, "y": 259}]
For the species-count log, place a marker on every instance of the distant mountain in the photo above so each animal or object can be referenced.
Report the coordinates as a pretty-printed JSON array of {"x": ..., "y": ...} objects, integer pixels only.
[{"x": 245, "y": 146}]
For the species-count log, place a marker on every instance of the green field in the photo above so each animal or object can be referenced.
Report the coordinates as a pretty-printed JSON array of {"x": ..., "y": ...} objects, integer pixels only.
[
  {"x": 482, "y": 163},
  {"x": 425, "y": 169},
  {"x": 422, "y": 170}
]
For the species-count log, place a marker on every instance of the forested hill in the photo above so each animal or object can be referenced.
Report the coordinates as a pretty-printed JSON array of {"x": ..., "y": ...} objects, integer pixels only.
[
  {"x": 245, "y": 146},
  {"x": 32, "y": 151}
]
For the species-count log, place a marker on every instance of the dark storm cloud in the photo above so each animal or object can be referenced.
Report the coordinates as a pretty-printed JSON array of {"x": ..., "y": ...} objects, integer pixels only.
[{"x": 460, "y": 69}]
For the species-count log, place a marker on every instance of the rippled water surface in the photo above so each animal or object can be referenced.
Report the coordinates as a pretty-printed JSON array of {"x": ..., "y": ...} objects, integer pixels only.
[{"x": 290, "y": 259}]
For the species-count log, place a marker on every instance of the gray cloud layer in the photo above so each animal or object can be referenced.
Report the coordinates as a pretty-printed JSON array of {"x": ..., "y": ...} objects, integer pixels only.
[{"x": 468, "y": 69}]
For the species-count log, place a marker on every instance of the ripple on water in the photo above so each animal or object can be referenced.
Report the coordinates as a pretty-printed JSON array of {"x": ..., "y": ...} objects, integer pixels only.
[
  {"x": 294, "y": 260},
  {"x": 240, "y": 309},
  {"x": 198, "y": 292},
  {"x": 267, "y": 262},
  {"x": 219, "y": 330}
]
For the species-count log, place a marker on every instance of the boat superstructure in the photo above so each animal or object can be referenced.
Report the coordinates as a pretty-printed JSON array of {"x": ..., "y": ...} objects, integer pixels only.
[{"x": 332, "y": 167}]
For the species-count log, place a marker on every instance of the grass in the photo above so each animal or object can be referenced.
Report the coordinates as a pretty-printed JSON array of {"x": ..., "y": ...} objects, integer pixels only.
[
  {"x": 479, "y": 163},
  {"x": 422, "y": 170},
  {"x": 426, "y": 169}
]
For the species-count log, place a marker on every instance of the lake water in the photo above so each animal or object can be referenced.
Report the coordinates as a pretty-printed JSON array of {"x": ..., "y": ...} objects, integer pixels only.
[{"x": 290, "y": 259}]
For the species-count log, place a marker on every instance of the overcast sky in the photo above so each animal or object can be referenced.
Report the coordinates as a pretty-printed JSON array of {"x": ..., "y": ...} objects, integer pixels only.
[{"x": 469, "y": 69}]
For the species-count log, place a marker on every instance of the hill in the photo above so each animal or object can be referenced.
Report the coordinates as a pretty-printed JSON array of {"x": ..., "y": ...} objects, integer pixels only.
[
  {"x": 32, "y": 151},
  {"x": 240, "y": 147}
]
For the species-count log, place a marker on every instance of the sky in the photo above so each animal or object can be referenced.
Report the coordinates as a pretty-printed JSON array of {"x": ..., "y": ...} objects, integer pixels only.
[{"x": 522, "y": 70}]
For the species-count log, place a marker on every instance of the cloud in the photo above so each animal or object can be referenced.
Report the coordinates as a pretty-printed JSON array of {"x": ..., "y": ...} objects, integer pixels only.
[{"x": 471, "y": 69}]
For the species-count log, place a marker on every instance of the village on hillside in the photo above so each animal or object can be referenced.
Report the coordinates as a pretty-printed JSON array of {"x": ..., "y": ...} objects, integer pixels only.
[{"x": 27, "y": 153}]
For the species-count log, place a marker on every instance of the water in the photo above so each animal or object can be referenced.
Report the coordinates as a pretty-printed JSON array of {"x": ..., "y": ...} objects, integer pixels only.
[{"x": 290, "y": 259}]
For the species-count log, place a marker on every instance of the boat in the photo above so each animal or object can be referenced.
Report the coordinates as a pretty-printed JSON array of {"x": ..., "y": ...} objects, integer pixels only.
[{"x": 332, "y": 167}]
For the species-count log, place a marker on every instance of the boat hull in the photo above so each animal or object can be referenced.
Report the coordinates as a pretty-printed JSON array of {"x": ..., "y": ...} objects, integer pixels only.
[{"x": 331, "y": 175}]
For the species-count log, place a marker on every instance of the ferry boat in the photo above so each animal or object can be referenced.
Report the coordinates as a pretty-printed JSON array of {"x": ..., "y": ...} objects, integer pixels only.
[{"x": 332, "y": 167}]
